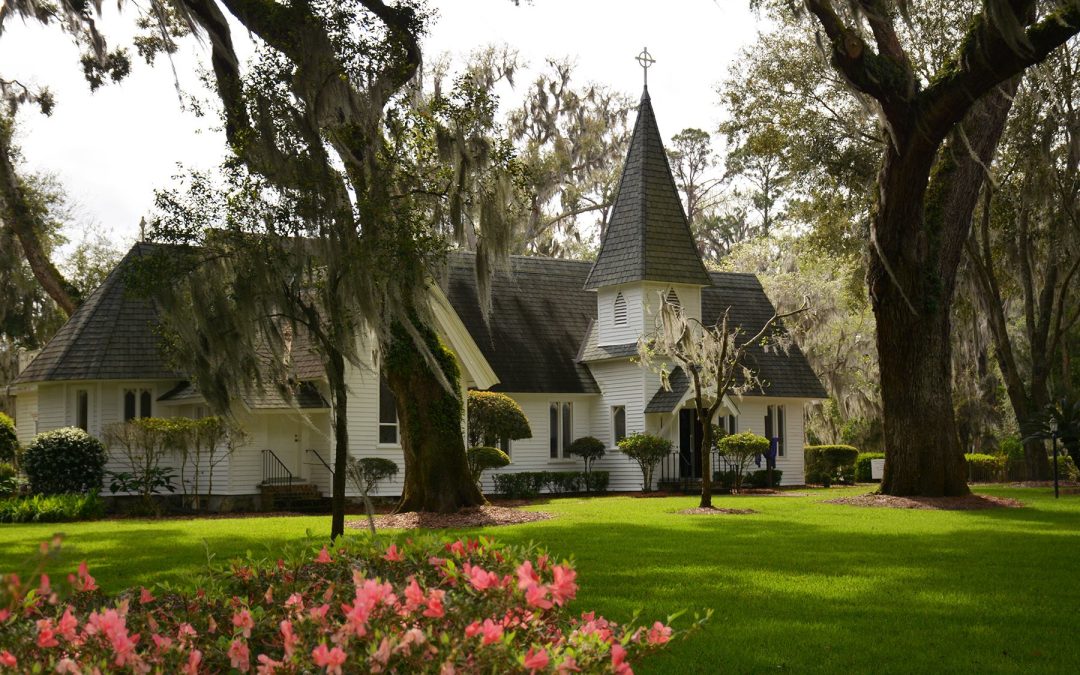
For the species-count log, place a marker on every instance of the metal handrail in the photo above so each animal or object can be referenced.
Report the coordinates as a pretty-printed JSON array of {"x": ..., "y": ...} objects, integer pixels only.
[
  {"x": 274, "y": 470},
  {"x": 321, "y": 460}
]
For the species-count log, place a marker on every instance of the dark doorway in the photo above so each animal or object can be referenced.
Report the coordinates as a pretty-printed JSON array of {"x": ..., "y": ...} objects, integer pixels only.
[{"x": 690, "y": 433}]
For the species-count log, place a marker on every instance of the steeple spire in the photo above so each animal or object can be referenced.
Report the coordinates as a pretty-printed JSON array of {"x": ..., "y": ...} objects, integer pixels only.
[{"x": 648, "y": 237}]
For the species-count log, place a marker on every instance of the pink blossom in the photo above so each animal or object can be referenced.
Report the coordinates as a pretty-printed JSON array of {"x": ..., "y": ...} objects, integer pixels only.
[
  {"x": 447, "y": 668},
  {"x": 186, "y": 632},
  {"x": 331, "y": 659},
  {"x": 659, "y": 634},
  {"x": 4, "y": 614},
  {"x": 211, "y": 626},
  {"x": 567, "y": 665},
  {"x": 435, "y": 607},
  {"x": 480, "y": 578},
  {"x": 527, "y": 576},
  {"x": 288, "y": 637},
  {"x": 618, "y": 660},
  {"x": 414, "y": 595},
  {"x": 44, "y": 588},
  {"x": 145, "y": 596},
  {"x": 324, "y": 556},
  {"x": 67, "y": 626},
  {"x": 392, "y": 554},
  {"x": 243, "y": 621},
  {"x": 413, "y": 636},
  {"x": 46, "y": 636},
  {"x": 457, "y": 548},
  {"x": 381, "y": 656},
  {"x": 86, "y": 582},
  {"x": 268, "y": 597},
  {"x": 319, "y": 613},
  {"x": 161, "y": 642},
  {"x": 67, "y": 666},
  {"x": 295, "y": 602},
  {"x": 536, "y": 660},
  {"x": 8, "y": 660},
  {"x": 536, "y": 596},
  {"x": 192, "y": 665},
  {"x": 240, "y": 655},
  {"x": 113, "y": 626},
  {"x": 266, "y": 665},
  {"x": 473, "y": 629},
  {"x": 563, "y": 588},
  {"x": 493, "y": 632}
]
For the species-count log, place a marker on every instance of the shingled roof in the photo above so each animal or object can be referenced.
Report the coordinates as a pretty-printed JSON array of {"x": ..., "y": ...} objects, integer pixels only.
[
  {"x": 109, "y": 337},
  {"x": 539, "y": 315},
  {"x": 648, "y": 237}
]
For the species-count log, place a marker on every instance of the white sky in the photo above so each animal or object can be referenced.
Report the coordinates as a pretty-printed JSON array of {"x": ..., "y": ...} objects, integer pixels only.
[{"x": 113, "y": 148}]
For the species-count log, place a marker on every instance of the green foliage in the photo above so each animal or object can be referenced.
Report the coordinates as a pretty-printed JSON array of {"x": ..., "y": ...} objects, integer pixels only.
[
  {"x": 1013, "y": 448},
  {"x": 986, "y": 468},
  {"x": 64, "y": 460},
  {"x": 863, "y": 471},
  {"x": 863, "y": 433},
  {"x": 738, "y": 451},
  {"x": 826, "y": 464},
  {"x": 9, "y": 442},
  {"x": 1067, "y": 469},
  {"x": 9, "y": 479},
  {"x": 529, "y": 484},
  {"x": 647, "y": 450},
  {"x": 494, "y": 417},
  {"x": 760, "y": 479},
  {"x": 482, "y": 458},
  {"x": 55, "y": 508},
  {"x": 367, "y": 472},
  {"x": 139, "y": 445},
  {"x": 588, "y": 449}
]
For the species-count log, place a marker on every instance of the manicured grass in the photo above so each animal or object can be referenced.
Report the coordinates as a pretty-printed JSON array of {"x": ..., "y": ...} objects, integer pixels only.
[{"x": 800, "y": 586}]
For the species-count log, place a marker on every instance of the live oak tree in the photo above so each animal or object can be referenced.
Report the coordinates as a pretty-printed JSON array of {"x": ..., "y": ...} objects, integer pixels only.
[
  {"x": 713, "y": 357},
  {"x": 941, "y": 129}
]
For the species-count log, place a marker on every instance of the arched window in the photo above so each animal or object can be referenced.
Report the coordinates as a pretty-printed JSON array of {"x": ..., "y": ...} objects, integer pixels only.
[
  {"x": 620, "y": 309},
  {"x": 673, "y": 299}
]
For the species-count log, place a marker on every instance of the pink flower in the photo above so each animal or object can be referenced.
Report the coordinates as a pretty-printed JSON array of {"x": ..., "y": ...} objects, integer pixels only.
[
  {"x": 618, "y": 660},
  {"x": 288, "y": 637},
  {"x": 44, "y": 589},
  {"x": 67, "y": 625},
  {"x": 493, "y": 632},
  {"x": 192, "y": 666},
  {"x": 381, "y": 656},
  {"x": 567, "y": 665},
  {"x": 536, "y": 660},
  {"x": 435, "y": 608},
  {"x": 295, "y": 602},
  {"x": 536, "y": 596},
  {"x": 243, "y": 621},
  {"x": 239, "y": 655},
  {"x": 392, "y": 554},
  {"x": 145, "y": 596},
  {"x": 527, "y": 576},
  {"x": 8, "y": 660},
  {"x": 186, "y": 632},
  {"x": 563, "y": 588},
  {"x": 324, "y": 556},
  {"x": 86, "y": 582},
  {"x": 211, "y": 626},
  {"x": 480, "y": 578},
  {"x": 68, "y": 667},
  {"x": 46, "y": 636},
  {"x": 331, "y": 659},
  {"x": 414, "y": 595},
  {"x": 659, "y": 634},
  {"x": 267, "y": 665},
  {"x": 457, "y": 548},
  {"x": 473, "y": 629},
  {"x": 113, "y": 626},
  {"x": 319, "y": 613},
  {"x": 162, "y": 643}
]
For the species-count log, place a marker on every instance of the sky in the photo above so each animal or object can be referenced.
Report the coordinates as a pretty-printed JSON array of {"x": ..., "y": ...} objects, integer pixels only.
[{"x": 114, "y": 147}]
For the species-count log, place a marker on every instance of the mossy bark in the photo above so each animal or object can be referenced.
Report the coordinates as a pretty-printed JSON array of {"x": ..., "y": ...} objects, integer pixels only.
[
  {"x": 437, "y": 474},
  {"x": 340, "y": 395}
]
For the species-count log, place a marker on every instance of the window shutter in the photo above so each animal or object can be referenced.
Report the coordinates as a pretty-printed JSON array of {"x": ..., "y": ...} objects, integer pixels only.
[
  {"x": 673, "y": 299},
  {"x": 620, "y": 309}
]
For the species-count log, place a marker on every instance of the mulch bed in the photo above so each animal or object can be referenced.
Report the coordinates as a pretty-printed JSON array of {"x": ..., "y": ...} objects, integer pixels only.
[
  {"x": 965, "y": 503},
  {"x": 476, "y": 517},
  {"x": 698, "y": 511}
]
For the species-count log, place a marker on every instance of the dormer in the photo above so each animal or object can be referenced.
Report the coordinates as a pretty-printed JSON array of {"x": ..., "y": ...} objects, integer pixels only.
[{"x": 648, "y": 248}]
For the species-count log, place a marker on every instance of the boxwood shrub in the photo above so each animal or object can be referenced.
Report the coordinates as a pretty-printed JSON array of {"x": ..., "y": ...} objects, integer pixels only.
[
  {"x": 760, "y": 479},
  {"x": 529, "y": 484},
  {"x": 9, "y": 442},
  {"x": 64, "y": 460},
  {"x": 828, "y": 463},
  {"x": 51, "y": 508},
  {"x": 863, "y": 472},
  {"x": 986, "y": 468}
]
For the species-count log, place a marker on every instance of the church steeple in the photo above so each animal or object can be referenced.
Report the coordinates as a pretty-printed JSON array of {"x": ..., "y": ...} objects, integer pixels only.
[{"x": 648, "y": 237}]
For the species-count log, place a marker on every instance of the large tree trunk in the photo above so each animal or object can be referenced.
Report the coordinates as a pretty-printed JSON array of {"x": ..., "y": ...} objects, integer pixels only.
[
  {"x": 437, "y": 474},
  {"x": 340, "y": 396}
]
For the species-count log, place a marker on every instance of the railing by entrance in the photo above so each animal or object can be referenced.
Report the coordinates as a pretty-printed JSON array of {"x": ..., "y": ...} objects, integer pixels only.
[
  {"x": 322, "y": 461},
  {"x": 274, "y": 470},
  {"x": 680, "y": 471}
]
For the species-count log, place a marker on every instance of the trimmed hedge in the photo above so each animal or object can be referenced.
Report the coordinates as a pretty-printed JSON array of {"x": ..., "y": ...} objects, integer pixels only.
[
  {"x": 863, "y": 472},
  {"x": 483, "y": 457},
  {"x": 760, "y": 479},
  {"x": 67, "y": 460},
  {"x": 529, "y": 484},
  {"x": 986, "y": 468},
  {"x": 828, "y": 463},
  {"x": 9, "y": 442},
  {"x": 51, "y": 508}
]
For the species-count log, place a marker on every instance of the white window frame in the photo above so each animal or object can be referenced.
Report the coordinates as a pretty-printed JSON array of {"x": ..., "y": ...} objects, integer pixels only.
[
  {"x": 564, "y": 430},
  {"x": 386, "y": 425},
  {"x": 776, "y": 417},
  {"x": 138, "y": 392},
  {"x": 619, "y": 317},
  {"x": 614, "y": 431}
]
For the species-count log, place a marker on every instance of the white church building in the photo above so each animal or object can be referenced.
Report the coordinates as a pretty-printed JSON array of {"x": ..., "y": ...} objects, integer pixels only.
[{"x": 560, "y": 339}]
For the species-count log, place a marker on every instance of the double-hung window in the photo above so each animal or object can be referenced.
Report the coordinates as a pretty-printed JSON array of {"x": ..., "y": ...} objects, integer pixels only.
[
  {"x": 560, "y": 427},
  {"x": 82, "y": 409},
  {"x": 138, "y": 403},
  {"x": 776, "y": 427},
  {"x": 388, "y": 419}
]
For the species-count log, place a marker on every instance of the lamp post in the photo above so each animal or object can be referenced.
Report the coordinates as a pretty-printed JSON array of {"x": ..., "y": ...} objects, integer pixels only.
[{"x": 1053, "y": 444}]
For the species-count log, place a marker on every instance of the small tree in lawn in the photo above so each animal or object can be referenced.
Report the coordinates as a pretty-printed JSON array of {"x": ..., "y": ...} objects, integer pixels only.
[
  {"x": 713, "y": 357},
  {"x": 738, "y": 450},
  {"x": 588, "y": 449},
  {"x": 647, "y": 450},
  {"x": 494, "y": 417},
  {"x": 366, "y": 474}
]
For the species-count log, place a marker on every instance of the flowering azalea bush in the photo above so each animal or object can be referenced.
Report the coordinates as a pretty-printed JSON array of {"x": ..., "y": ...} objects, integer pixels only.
[{"x": 414, "y": 606}]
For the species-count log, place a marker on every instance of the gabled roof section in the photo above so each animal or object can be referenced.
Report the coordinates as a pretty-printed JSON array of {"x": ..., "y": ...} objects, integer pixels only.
[
  {"x": 648, "y": 237},
  {"x": 110, "y": 336}
]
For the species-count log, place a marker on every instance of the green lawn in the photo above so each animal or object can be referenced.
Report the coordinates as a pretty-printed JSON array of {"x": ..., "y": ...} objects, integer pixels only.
[{"x": 800, "y": 586}]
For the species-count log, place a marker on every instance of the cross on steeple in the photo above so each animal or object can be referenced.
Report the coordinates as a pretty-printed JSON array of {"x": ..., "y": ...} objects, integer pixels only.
[{"x": 646, "y": 60}]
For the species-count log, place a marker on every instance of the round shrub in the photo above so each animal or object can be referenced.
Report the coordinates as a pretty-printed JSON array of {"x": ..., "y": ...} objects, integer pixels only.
[
  {"x": 826, "y": 463},
  {"x": 483, "y": 457},
  {"x": 494, "y": 417},
  {"x": 745, "y": 443},
  {"x": 64, "y": 460},
  {"x": 9, "y": 442},
  {"x": 647, "y": 450},
  {"x": 368, "y": 472}
]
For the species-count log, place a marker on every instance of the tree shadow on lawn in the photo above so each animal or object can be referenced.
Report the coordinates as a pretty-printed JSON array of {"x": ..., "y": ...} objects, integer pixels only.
[{"x": 816, "y": 598}]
